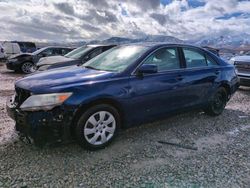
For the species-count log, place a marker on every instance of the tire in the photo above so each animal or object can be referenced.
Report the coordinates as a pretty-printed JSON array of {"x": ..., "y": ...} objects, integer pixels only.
[
  {"x": 93, "y": 133},
  {"x": 27, "y": 67},
  {"x": 217, "y": 103}
]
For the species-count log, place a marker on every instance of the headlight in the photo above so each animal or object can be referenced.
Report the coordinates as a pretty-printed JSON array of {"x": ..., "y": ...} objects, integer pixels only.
[
  {"x": 13, "y": 60},
  {"x": 44, "y": 101}
]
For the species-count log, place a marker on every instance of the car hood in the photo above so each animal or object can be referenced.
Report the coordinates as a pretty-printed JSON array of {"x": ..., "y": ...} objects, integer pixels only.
[
  {"x": 20, "y": 55},
  {"x": 53, "y": 60},
  {"x": 244, "y": 58},
  {"x": 54, "y": 80}
]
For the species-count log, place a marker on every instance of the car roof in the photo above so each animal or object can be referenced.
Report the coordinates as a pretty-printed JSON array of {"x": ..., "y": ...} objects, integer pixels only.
[
  {"x": 159, "y": 44},
  {"x": 57, "y": 47},
  {"x": 100, "y": 45}
]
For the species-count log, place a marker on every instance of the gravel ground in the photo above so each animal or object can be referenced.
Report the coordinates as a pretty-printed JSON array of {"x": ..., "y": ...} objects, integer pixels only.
[{"x": 219, "y": 154}]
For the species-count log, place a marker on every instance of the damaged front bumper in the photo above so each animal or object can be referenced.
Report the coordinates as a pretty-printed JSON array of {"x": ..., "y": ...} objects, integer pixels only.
[{"x": 42, "y": 126}]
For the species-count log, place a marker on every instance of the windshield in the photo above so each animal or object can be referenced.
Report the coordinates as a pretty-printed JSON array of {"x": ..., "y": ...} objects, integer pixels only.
[
  {"x": 78, "y": 53},
  {"x": 39, "y": 51},
  {"x": 116, "y": 59}
]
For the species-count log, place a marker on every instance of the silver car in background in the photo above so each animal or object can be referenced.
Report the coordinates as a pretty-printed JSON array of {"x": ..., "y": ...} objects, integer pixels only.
[{"x": 242, "y": 65}]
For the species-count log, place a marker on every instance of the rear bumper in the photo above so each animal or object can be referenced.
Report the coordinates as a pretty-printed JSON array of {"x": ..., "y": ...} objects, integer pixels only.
[{"x": 42, "y": 126}]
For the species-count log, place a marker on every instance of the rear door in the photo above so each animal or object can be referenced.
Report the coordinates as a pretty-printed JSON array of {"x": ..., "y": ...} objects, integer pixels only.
[{"x": 201, "y": 73}]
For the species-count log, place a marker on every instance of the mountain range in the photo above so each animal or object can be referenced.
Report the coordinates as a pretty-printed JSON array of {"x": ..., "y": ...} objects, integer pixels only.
[{"x": 226, "y": 41}]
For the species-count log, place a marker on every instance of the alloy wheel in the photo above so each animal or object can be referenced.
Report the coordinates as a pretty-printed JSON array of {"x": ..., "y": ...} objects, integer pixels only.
[
  {"x": 27, "y": 68},
  {"x": 99, "y": 128}
]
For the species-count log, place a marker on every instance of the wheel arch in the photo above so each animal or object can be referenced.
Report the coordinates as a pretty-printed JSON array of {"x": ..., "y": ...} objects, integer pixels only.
[
  {"x": 82, "y": 108},
  {"x": 227, "y": 87}
]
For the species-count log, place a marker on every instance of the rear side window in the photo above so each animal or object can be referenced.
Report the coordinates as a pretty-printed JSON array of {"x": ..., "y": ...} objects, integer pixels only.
[
  {"x": 29, "y": 45},
  {"x": 165, "y": 59},
  {"x": 194, "y": 58}
]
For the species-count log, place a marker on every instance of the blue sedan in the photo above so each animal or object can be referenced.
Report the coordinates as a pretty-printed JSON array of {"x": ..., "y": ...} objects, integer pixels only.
[{"x": 124, "y": 86}]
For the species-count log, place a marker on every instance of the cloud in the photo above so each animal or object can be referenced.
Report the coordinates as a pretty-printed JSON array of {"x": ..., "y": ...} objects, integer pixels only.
[
  {"x": 160, "y": 18},
  {"x": 145, "y": 4},
  {"x": 65, "y": 8},
  {"x": 61, "y": 20},
  {"x": 98, "y": 4}
]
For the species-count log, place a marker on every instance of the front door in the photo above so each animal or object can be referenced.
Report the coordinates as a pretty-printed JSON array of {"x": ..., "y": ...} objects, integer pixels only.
[{"x": 157, "y": 93}]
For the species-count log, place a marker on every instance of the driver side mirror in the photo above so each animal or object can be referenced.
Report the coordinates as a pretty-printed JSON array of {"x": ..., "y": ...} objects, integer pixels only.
[{"x": 147, "y": 69}]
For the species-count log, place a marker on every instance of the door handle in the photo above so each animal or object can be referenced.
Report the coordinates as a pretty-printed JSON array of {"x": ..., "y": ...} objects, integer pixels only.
[{"x": 179, "y": 77}]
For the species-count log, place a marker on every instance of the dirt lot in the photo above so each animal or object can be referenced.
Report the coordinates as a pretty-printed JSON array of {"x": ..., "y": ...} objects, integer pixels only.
[{"x": 136, "y": 159}]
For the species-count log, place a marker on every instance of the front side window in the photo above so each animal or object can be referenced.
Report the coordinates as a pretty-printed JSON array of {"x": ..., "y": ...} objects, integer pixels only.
[
  {"x": 48, "y": 52},
  {"x": 164, "y": 59},
  {"x": 194, "y": 58}
]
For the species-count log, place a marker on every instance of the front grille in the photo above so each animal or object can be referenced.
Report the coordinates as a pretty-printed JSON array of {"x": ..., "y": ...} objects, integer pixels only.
[
  {"x": 243, "y": 67},
  {"x": 21, "y": 96}
]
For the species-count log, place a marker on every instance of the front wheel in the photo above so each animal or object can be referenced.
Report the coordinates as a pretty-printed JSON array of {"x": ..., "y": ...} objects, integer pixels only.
[
  {"x": 217, "y": 103},
  {"x": 97, "y": 127},
  {"x": 27, "y": 67}
]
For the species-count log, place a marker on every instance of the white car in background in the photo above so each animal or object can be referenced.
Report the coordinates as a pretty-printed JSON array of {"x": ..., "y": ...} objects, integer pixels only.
[
  {"x": 11, "y": 48},
  {"x": 2, "y": 52},
  {"x": 242, "y": 66}
]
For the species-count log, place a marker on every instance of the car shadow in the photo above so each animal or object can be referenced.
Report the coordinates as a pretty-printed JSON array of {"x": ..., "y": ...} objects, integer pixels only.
[
  {"x": 186, "y": 127},
  {"x": 244, "y": 88}
]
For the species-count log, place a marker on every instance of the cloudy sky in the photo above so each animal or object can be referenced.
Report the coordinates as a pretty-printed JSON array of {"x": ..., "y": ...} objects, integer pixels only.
[{"x": 73, "y": 20}]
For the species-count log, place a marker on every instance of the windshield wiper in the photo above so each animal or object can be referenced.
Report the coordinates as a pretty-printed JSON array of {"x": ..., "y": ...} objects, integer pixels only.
[{"x": 89, "y": 67}]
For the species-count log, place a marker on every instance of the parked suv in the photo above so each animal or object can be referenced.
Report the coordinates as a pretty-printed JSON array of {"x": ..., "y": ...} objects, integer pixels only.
[
  {"x": 25, "y": 62},
  {"x": 124, "y": 86},
  {"x": 242, "y": 65},
  {"x": 16, "y": 47},
  {"x": 76, "y": 57}
]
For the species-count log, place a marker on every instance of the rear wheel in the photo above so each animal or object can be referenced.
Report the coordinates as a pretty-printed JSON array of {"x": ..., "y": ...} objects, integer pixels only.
[
  {"x": 218, "y": 103},
  {"x": 27, "y": 67},
  {"x": 97, "y": 127}
]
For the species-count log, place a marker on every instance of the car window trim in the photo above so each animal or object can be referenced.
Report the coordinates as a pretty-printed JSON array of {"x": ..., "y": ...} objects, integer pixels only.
[
  {"x": 180, "y": 64},
  {"x": 196, "y": 50},
  {"x": 201, "y": 68}
]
